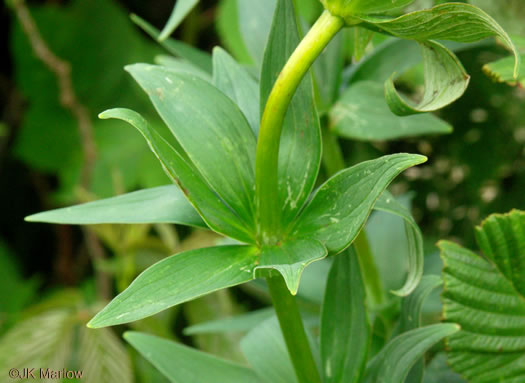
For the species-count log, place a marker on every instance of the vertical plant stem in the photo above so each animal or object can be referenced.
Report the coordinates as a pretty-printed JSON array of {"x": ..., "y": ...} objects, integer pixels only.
[
  {"x": 293, "y": 331},
  {"x": 266, "y": 179},
  {"x": 333, "y": 161}
]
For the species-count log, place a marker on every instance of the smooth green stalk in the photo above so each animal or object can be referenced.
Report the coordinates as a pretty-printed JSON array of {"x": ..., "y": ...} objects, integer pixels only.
[
  {"x": 293, "y": 331},
  {"x": 266, "y": 177},
  {"x": 333, "y": 162}
]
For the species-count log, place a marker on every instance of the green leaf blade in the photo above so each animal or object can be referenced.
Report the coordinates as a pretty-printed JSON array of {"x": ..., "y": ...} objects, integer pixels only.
[
  {"x": 233, "y": 80},
  {"x": 345, "y": 329},
  {"x": 210, "y": 128},
  {"x": 339, "y": 209},
  {"x": 181, "y": 9},
  {"x": 181, "y": 364},
  {"x": 491, "y": 346},
  {"x": 445, "y": 82},
  {"x": 290, "y": 259},
  {"x": 502, "y": 240},
  {"x": 164, "y": 204},
  {"x": 300, "y": 150},
  {"x": 178, "y": 279},
  {"x": 452, "y": 21},
  {"x": 216, "y": 214},
  {"x": 396, "y": 359},
  {"x": 362, "y": 113}
]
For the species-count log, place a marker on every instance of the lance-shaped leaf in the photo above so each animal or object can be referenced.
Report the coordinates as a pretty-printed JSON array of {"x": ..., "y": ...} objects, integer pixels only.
[
  {"x": 453, "y": 21},
  {"x": 300, "y": 150},
  {"x": 291, "y": 258},
  {"x": 178, "y": 279},
  {"x": 164, "y": 204},
  {"x": 362, "y": 113},
  {"x": 233, "y": 80},
  {"x": 182, "y": 364},
  {"x": 445, "y": 82},
  {"x": 345, "y": 329},
  {"x": 395, "y": 360},
  {"x": 217, "y": 215},
  {"x": 211, "y": 129},
  {"x": 416, "y": 255},
  {"x": 483, "y": 298},
  {"x": 177, "y": 48},
  {"x": 339, "y": 209},
  {"x": 255, "y": 20},
  {"x": 181, "y": 9}
]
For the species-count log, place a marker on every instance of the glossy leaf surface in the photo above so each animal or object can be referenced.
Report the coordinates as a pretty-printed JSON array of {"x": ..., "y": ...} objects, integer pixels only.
[
  {"x": 395, "y": 360},
  {"x": 182, "y": 364},
  {"x": 339, "y": 209},
  {"x": 178, "y": 279},
  {"x": 164, "y": 204},
  {"x": 345, "y": 329},
  {"x": 362, "y": 113},
  {"x": 210, "y": 128},
  {"x": 484, "y": 298},
  {"x": 300, "y": 150},
  {"x": 233, "y": 80},
  {"x": 445, "y": 82},
  {"x": 181, "y": 9},
  {"x": 291, "y": 258},
  {"x": 216, "y": 214}
]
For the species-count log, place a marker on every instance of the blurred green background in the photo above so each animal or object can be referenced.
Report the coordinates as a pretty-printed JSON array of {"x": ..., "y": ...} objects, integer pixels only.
[{"x": 54, "y": 277}]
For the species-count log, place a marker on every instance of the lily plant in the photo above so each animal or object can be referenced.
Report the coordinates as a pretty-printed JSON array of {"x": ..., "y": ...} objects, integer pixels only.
[{"x": 245, "y": 158}]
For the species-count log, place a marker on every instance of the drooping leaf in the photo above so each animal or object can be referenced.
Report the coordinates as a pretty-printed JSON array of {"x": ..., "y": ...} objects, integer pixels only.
[
  {"x": 210, "y": 128},
  {"x": 290, "y": 259},
  {"x": 415, "y": 249},
  {"x": 102, "y": 357},
  {"x": 345, "y": 329},
  {"x": 177, "y": 279},
  {"x": 266, "y": 351},
  {"x": 445, "y": 82},
  {"x": 213, "y": 210},
  {"x": 503, "y": 71},
  {"x": 178, "y": 48},
  {"x": 300, "y": 149},
  {"x": 339, "y": 209},
  {"x": 233, "y": 80},
  {"x": 165, "y": 204},
  {"x": 396, "y": 359},
  {"x": 181, "y": 9},
  {"x": 502, "y": 240},
  {"x": 451, "y": 21},
  {"x": 481, "y": 296},
  {"x": 255, "y": 20},
  {"x": 361, "y": 113},
  {"x": 182, "y": 364}
]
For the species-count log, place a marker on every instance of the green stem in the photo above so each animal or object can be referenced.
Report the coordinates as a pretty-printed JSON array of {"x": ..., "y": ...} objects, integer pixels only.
[
  {"x": 333, "y": 161},
  {"x": 293, "y": 331},
  {"x": 266, "y": 181}
]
